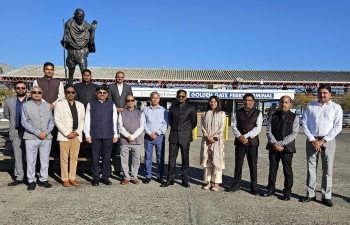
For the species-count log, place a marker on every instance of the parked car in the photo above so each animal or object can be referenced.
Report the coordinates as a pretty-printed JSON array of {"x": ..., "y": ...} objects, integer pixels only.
[
  {"x": 300, "y": 115},
  {"x": 346, "y": 120}
]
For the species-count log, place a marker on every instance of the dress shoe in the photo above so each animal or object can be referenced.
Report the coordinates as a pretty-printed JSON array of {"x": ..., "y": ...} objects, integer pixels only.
[
  {"x": 106, "y": 181},
  {"x": 308, "y": 199},
  {"x": 327, "y": 202},
  {"x": 31, "y": 186},
  {"x": 215, "y": 188},
  {"x": 185, "y": 184},
  {"x": 147, "y": 180},
  {"x": 233, "y": 189},
  {"x": 286, "y": 197},
  {"x": 169, "y": 182},
  {"x": 254, "y": 191},
  {"x": 135, "y": 181},
  {"x": 125, "y": 181},
  {"x": 160, "y": 180},
  {"x": 74, "y": 183},
  {"x": 44, "y": 184},
  {"x": 206, "y": 187},
  {"x": 95, "y": 182},
  {"x": 15, "y": 182},
  {"x": 268, "y": 193},
  {"x": 66, "y": 183}
]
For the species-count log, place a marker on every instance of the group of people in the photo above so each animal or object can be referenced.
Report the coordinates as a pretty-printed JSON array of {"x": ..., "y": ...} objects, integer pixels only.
[
  {"x": 104, "y": 116},
  {"x": 321, "y": 123}
]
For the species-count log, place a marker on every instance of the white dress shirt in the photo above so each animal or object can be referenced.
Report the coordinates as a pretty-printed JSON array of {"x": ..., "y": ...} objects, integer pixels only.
[
  {"x": 120, "y": 89},
  {"x": 322, "y": 120},
  {"x": 251, "y": 134},
  {"x": 88, "y": 120}
]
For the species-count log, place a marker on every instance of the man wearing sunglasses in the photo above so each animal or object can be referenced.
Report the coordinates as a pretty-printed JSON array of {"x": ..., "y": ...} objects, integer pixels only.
[
  {"x": 69, "y": 119},
  {"x": 131, "y": 125},
  {"x": 38, "y": 122},
  {"x": 182, "y": 120},
  {"x": 100, "y": 130},
  {"x": 12, "y": 112}
]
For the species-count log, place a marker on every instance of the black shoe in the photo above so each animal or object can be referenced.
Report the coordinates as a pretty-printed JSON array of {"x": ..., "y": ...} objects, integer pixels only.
[
  {"x": 147, "y": 180},
  {"x": 327, "y": 202},
  {"x": 185, "y": 184},
  {"x": 268, "y": 193},
  {"x": 95, "y": 182},
  {"x": 254, "y": 191},
  {"x": 106, "y": 182},
  {"x": 15, "y": 182},
  {"x": 308, "y": 199},
  {"x": 31, "y": 186},
  {"x": 233, "y": 189},
  {"x": 286, "y": 197},
  {"x": 160, "y": 180},
  {"x": 169, "y": 182},
  {"x": 44, "y": 184}
]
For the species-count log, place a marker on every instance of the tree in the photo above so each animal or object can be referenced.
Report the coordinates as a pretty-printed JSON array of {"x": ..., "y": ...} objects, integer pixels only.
[
  {"x": 5, "y": 93},
  {"x": 343, "y": 100},
  {"x": 303, "y": 99}
]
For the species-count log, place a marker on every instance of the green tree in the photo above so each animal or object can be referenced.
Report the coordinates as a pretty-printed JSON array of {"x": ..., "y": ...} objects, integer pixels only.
[
  {"x": 303, "y": 99},
  {"x": 5, "y": 93}
]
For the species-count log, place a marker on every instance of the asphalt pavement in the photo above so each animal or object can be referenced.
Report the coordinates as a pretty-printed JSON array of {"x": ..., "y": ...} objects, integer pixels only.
[{"x": 151, "y": 204}]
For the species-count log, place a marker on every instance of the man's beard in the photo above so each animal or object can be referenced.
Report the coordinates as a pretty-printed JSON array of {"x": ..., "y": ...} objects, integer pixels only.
[{"x": 21, "y": 94}]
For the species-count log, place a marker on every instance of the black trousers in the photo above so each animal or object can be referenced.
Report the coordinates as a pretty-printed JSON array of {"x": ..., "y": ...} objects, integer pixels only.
[
  {"x": 101, "y": 148},
  {"x": 173, "y": 152},
  {"x": 286, "y": 158},
  {"x": 252, "y": 157}
]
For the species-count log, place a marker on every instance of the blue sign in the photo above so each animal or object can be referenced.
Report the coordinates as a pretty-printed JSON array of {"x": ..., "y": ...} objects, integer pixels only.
[{"x": 232, "y": 95}]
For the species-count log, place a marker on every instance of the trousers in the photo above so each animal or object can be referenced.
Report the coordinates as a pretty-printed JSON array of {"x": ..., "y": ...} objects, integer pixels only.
[
  {"x": 159, "y": 144},
  {"x": 124, "y": 158},
  {"x": 32, "y": 148},
  {"x": 173, "y": 152},
  {"x": 19, "y": 153},
  {"x": 252, "y": 157},
  {"x": 327, "y": 158},
  {"x": 69, "y": 151}
]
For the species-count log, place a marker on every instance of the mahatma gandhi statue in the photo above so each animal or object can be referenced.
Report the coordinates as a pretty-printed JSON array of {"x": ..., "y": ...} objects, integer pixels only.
[{"x": 79, "y": 41}]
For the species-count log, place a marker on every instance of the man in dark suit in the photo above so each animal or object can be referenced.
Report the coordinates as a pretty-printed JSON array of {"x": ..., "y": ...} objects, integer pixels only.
[
  {"x": 182, "y": 120},
  {"x": 281, "y": 131},
  {"x": 118, "y": 91},
  {"x": 12, "y": 112}
]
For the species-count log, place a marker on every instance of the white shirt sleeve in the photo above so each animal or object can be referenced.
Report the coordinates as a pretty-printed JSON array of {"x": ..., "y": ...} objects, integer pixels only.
[
  {"x": 234, "y": 126},
  {"x": 87, "y": 121},
  {"x": 115, "y": 121},
  {"x": 121, "y": 127},
  {"x": 60, "y": 94}
]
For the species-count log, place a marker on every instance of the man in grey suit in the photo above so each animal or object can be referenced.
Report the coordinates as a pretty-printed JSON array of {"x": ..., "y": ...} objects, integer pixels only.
[
  {"x": 118, "y": 91},
  {"x": 12, "y": 112}
]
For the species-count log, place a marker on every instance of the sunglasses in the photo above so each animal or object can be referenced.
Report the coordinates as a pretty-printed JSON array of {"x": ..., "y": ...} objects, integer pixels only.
[
  {"x": 181, "y": 96},
  {"x": 102, "y": 92},
  {"x": 70, "y": 92},
  {"x": 130, "y": 100},
  {"x": 20, "y": 88},
  {"x": 36, "y": 92}
]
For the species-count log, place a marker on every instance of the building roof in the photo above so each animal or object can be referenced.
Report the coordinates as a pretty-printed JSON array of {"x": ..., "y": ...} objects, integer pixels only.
[
  {"x": 6, "y": 68},
  {"x": 161, "y": 77}
]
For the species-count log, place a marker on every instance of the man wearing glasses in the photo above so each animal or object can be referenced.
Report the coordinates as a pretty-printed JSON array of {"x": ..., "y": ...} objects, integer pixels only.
[
  {"x": 100, "y": 130},
  {"x": 246, "y": 126},
  {"x": 69, "y": 119},
  {"x": 12, "y": 112},
  {"x": 182, "y": 120},
  {"x": 131, "y": 125},
  {"x": 38, "y": 122}
]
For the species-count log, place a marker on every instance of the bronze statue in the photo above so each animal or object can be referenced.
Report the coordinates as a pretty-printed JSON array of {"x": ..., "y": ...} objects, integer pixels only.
[{"x": 78, "y": 39}]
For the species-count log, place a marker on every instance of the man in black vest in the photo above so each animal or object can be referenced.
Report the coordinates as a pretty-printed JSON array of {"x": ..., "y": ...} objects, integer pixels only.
[
  {"x": 281, "y": 131},
  {"x": 182, "y": 120},
  {"x": 246, "y": 126},
  {"x": 100, "y": 130}
]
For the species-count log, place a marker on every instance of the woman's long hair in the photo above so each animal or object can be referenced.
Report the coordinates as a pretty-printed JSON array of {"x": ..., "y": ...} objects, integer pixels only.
[{"x": 218, "y": 108}]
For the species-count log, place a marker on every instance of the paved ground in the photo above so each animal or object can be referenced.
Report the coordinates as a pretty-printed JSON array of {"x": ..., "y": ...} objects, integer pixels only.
[{"x": 150, "y": 204}]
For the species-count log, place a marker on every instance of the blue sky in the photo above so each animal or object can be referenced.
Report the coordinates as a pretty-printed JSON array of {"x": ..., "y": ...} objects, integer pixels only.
[{"x": 185, "y": 34}]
